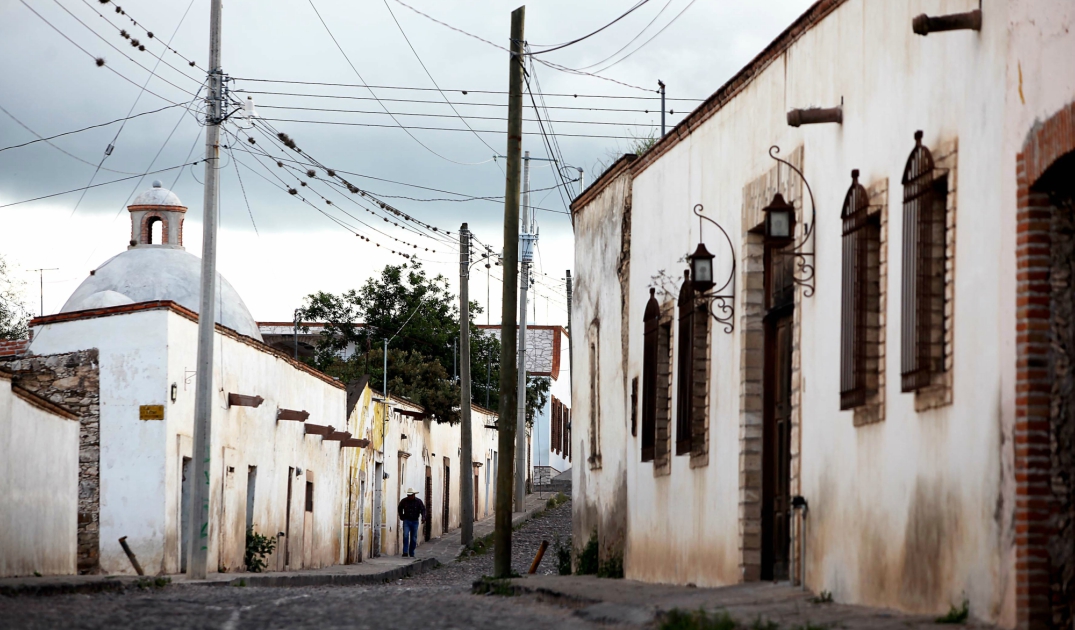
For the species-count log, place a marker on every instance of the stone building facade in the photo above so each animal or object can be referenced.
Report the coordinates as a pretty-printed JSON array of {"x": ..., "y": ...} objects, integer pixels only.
[{"x": 73, "y": 380}]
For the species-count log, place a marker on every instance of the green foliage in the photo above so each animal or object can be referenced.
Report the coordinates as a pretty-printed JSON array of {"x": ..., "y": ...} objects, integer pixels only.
[
  {"x": 14, "y": 316},
  {"x": 956, "y": 615},
  {"x": 677, "y": 619},
  {"x": 537, "y": 394},
  {"x": 257, "y": 548},
  {"x": 494, "y": 586},
  {"x": 764, "y": 624},
  {"x": 824, "y": 597},
  {"x": 588, "y": 563},
  {"x": 563, "y": 556},
  {"x": 611, "y": 568},
  {"x": 421, "y": 318},
  {"x": 155, "y": 583},
  {"x": 481, "y": 546}
]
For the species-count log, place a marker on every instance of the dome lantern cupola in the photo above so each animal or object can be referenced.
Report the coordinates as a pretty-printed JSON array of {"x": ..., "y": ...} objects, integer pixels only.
[{"x": 157, "y": 205}]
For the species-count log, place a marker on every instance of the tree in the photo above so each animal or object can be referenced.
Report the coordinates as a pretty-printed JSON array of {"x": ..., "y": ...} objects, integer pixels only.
[
  {"x": 420, "y": 317},
  {"x": 14, "y": 315}
]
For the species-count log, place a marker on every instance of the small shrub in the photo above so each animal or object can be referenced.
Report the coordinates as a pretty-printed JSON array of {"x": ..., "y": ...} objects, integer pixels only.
[
  {"x": 956, "y": 615},
  {"x": 494, "y": 586},
  {"x": 551, "y": 503},
  {"x": 156, "y": 583},
  {"x": 677, "y": 619},
  {"x": 764, "y": 624},
  {"x": 563, "y": 556},
  {"x": 587, "y": 564},
  {"x": 611, "y": 568},
  {"x": 824, "y": 597},
  {"x": 257, "y": 548}
]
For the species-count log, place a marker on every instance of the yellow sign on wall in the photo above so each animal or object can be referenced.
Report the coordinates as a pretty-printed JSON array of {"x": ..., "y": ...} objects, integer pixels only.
[{"x": 151, "y": 412}]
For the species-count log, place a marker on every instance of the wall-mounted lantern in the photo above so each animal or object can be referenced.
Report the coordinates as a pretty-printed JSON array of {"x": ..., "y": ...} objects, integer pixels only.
[
  {"x": 780, "y": 230},
  {"x": 925, "y": 24},
  {"x": 720, "y": 302},
  {"x": 779, "y": 221}
]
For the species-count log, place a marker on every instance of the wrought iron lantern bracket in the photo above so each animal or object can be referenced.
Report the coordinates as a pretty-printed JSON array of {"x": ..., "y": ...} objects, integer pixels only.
[
  {"x": 804, "y": 259},
  {"x": 719, "y": 300}
]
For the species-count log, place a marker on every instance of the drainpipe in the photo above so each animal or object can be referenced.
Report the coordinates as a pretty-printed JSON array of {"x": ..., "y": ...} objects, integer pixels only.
[{"x": 798, "y": 503}]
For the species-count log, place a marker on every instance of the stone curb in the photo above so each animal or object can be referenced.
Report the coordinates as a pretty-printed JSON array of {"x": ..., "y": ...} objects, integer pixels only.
[
  {"x": 70, "y": 587},
  {"x": 329, "y": 579}
]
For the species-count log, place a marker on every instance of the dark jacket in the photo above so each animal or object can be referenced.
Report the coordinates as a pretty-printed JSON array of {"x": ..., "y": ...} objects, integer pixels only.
[{"x": 411, "y": 509}]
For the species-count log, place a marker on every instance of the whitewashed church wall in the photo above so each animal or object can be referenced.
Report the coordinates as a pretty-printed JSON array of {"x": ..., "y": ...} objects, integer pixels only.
[{"x": 38, "y": 488}]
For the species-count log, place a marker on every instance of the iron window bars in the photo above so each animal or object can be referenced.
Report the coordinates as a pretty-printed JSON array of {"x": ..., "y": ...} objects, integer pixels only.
[
  {"x": 861, "y": 279},
  {"x": 924, "y": 237}
]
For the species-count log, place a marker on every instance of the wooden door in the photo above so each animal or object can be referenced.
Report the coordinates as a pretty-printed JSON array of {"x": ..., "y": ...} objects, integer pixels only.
[
  {"x": 776, "y": 446},
  {"x": 427, "y": 527},
  {"x": 447, "y": 495}
]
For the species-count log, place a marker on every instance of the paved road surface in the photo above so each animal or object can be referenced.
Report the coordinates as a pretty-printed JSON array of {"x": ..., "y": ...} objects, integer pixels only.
[{"x": 439, "y": 599}]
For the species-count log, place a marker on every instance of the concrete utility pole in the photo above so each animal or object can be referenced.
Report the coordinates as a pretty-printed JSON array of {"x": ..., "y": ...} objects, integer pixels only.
[
  {"x": 296, "y": 334},
  {"x": 41, "y": 278},
  {"x": 466, "y": 475},
  {"x": 570, "y": 371},
  {"x": 526, "y": 254},
  {"x": 506, "y": 428},
  {"x": 203, "y": 393}
]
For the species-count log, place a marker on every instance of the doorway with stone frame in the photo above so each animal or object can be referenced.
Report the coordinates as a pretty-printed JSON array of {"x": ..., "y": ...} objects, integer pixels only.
[
  {"x": 1044, "y": 432},
  {"x": 769, "y": 388}
]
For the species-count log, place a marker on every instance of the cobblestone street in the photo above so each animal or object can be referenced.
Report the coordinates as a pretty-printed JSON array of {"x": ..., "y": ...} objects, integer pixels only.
[{"x": 437, "y": 599}]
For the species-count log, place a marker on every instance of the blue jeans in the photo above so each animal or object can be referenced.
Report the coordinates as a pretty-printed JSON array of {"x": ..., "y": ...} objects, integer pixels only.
[{"x": 410, "y": 537}]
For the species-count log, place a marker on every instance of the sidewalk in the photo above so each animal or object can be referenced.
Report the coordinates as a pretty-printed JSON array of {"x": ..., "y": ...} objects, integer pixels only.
[
  {"x": 636, "y": 603},
  {"x": 428, "y": 556}
]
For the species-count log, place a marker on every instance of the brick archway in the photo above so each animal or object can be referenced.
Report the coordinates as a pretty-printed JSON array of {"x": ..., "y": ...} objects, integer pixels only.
[
  {"x": 1043, "y": 563},
  {"x": 147, "y": 228}
]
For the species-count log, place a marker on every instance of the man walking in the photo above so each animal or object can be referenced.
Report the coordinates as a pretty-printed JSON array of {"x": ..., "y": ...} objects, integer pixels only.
[{"x": 411, "y": 510}]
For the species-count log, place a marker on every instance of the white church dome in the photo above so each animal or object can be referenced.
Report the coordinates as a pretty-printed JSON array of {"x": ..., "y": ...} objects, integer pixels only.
[{"x": 148, "y": 272}]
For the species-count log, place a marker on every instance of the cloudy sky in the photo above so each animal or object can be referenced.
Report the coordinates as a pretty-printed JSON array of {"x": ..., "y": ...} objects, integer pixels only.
[{"x": 52, "y": 85}]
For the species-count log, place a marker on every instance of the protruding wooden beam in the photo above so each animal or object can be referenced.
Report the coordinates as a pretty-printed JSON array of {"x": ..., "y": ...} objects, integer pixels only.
[
  {"x": 317, "y": 429},
  {"x": 338, "y": 436},
  {"x": 815, "y": 115},
  {"x": 291, "y": 414},
  {"x": 925, "y": 24},
  {"x": 242, "y": 400},
  {"x": 355, "y": 443}
]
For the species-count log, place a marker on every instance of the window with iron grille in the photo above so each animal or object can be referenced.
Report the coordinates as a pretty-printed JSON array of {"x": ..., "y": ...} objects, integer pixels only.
[
  {"x": 925, "y": 192},
  {"x": 651, "y": 322},
  {"x": 861, "y": 292},
  {"x": 693, "y": 373}
]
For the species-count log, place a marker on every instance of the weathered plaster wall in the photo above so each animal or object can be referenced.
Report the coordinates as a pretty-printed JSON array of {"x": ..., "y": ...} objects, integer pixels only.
[
  {"x": 600, "y": 389},
  {"x": 72, "y": 379},
  {"x": 142, "y": 355},
  {"x": 915, "y": 511},
  {"x": 38, "y": 486}
]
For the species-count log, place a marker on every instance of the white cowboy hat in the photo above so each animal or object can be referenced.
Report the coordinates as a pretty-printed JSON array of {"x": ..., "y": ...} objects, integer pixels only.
[{"x": 411, "y": 491}]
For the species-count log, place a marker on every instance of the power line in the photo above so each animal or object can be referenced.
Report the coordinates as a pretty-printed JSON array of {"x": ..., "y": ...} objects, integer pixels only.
[
  {"x": 411, "y": 100},
  {"x": 148, "y": 32},
  {"x": 428, "y": 74},
  {"x": 463, "y": 92},
  {"x": 629, "y": 42},
  {"x": 113, "y": 47},
  {"x": 122, "y": 179},
  {"x": 99, "y": 60},
  {"x": 426, "y": 115},
  {"x": 643, "y": 45},
  {"x": 372, "y": 93},
  {"x": 105, "y": 124},
  {"x": 587, "y": 36},
  {"x": 408, "y": 127},
  {"x": 60, "y": 149}
]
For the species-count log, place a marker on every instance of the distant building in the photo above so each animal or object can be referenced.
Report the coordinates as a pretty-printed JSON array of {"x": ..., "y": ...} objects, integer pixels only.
[
  {"x": 876, "y": 399},
  {"x": 548, "y": 356}
]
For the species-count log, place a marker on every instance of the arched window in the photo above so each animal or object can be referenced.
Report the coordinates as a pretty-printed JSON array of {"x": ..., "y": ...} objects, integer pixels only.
[
  {"x": 925, "y": 193},
  {"x": 861, "y": 292},
  {"x": 692, "y": 371},
  {"x": 156, "y": 231},
  {"x": 651, "y": 322}
]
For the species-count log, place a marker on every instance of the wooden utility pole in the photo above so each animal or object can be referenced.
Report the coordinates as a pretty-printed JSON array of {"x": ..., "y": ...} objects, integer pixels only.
[
  {"x": 204, "y": 394},
  {"x": 506, "y": 423},
  {"x": 466, "y": 472}
]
